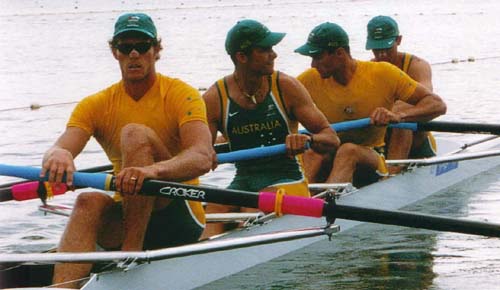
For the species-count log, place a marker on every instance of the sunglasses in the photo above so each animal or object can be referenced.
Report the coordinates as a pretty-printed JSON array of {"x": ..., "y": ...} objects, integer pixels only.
[{"x": 140, "y": 47}]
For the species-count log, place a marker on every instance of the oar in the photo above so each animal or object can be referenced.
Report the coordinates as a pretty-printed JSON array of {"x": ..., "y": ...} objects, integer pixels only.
[
  {"x": 22, "y": 190},
  {"x": 445, "y": 159},
  {"x": 260, "y": 152},
  {"x": 268, "y": 202},
  {"x": 169, "y": 253},
  {"x": 440, "y": 126},
  {"x": 453, "y": 127}
]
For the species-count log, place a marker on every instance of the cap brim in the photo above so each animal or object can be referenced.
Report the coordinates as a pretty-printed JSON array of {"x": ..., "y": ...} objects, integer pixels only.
[
  {"x": 271, "y": 39},
  {"x": 145, "y": 32},
  {"x": 309, "y": 50},
  {"x": 380, "y": 43}
]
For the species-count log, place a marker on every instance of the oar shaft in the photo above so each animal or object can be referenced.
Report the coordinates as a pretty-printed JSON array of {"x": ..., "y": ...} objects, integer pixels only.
[
  {"x": 280, "y": 149},
  {"x": 268, "y": 202},
  {"x": 200, "y": 193},
  {"x": 453, "y": 127},
  {"x": 413, "y": 220}
]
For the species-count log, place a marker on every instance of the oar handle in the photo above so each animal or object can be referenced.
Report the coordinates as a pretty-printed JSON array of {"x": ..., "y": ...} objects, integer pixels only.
[{"x": 80, "y": 179}]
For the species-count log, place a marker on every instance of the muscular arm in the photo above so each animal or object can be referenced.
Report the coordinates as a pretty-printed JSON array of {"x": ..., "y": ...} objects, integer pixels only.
[
  {"x": 211, "y": 99},
  {"x": 59, "y": 158},
  {"x": 194, "y": 160},
  {"x": 301, "y": 106},
  {"x": 427, "y": 106},
  {"x": 420, "y": 70}
]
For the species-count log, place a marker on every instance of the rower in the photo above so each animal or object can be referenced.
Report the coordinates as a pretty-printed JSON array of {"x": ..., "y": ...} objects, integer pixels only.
[
  {"x": 151, "y": 126},
  {"x": 383, "y": 39},
  {"x": 344, "y": 88},
  {"x": 256, "y": 106}
]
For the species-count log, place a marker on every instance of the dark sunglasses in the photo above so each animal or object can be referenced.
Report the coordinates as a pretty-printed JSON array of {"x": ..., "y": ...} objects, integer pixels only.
[{"x": 140, "y": 47}]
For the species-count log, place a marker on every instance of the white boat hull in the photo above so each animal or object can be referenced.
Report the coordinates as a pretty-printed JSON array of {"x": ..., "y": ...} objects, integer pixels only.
[{"x": 394, "y": 193}]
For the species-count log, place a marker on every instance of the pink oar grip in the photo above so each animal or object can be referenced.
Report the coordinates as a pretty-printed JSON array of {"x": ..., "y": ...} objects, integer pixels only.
[
  {"x": 296, "y": 205},
  {"x": 28, "y": 190}
]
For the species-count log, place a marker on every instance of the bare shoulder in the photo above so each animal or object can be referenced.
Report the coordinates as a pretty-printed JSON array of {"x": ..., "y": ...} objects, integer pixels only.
[
  {"x": 289, "y": 84},
  {"x": 211, "y": 98},
  {"x": 420, "y": 70},
  {"x": 420, "y": 62},
  {"x": 210, "y": 93}
]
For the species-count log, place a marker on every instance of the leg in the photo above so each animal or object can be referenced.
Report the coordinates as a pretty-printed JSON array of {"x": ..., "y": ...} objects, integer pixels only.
[
  {"x": 140, "y": 147},
  {"x": 400, "y": 141},
  {"x": 217, "y": 228},
  {"x": 91, "y": 212},
  {"x": 399, "y": 147},
  {"x": 349, "y": 157},
  {"x": 315, "y": 164}
]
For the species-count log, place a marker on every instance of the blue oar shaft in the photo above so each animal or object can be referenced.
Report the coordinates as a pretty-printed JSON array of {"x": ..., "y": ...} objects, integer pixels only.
[
  {"x": 261, "y": 152},
  {"x": 80, "y": 179}
]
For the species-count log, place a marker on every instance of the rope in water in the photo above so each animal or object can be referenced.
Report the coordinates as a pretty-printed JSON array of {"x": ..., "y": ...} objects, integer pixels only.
[
  {"x": 35, "y": 106},
  {"x": 469, "y": 59}
]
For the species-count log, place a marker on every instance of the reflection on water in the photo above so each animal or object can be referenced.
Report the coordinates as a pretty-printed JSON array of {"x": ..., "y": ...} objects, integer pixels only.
[{"x": 375, "y": 256}]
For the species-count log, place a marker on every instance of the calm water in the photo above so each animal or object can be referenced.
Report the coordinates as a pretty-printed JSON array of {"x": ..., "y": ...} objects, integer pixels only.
[{"x": 56, "y": 52}]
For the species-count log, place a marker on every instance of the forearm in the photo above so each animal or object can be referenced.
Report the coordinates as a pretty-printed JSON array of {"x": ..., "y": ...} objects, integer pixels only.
[
  {"x": 186, "y": 165},
  {"x": 325, "y": 140},
  {"x": 425, "y": 110}
]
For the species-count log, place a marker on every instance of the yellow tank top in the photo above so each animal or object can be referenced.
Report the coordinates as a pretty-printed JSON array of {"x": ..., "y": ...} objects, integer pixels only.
[
  {"x": 407, "y": 58},
  {"x": 374, "y": 84}
]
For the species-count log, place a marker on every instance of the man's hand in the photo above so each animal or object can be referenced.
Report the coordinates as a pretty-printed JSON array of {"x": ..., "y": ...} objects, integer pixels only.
[
  {"x": 296, "y": 144},
  {"x": 130, "y": 179},
  {"x": 58, "y": 162},
  {"x": 383, "y": 117}
]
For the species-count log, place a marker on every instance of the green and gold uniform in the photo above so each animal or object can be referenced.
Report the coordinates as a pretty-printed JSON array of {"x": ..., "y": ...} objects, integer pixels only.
[
  {"x": 266, "y": 125},
  {"x": 429, "y": 147}
]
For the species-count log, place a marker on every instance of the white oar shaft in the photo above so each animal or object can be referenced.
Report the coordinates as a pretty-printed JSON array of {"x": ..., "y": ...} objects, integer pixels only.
[
  {"x": 445, "y": 159},
  {"x": 168, "y": 253}
]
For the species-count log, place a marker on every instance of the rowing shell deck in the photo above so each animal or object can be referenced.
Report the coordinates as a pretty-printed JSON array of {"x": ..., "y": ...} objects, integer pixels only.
[{"x": 394, "y": 193}]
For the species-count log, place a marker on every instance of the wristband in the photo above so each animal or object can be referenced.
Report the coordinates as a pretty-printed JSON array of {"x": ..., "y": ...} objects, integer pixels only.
[{"x": 311, "y": 141}]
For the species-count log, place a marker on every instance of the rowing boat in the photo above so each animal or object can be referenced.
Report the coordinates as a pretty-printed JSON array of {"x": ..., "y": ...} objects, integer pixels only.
[
  {"x": 394, "y": 193},
  {"x": 269, "y": 237}
]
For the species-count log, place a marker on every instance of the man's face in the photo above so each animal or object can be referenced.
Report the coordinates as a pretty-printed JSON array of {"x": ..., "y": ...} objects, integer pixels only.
[
  {"x": 326, "y": 63},
  {"x": 388, "y": 54},
  {"x": 261, "y": 59},
  {"x": 137, "y": 57}
]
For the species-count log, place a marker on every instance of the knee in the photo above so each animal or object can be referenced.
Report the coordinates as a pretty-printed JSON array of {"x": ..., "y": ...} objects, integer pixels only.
[
  {"x": 93, "y": 202},
  {"x": 346, "y": 150},
  {"x": 133, "y": 133},
  {"x": 134, "y": 136}
]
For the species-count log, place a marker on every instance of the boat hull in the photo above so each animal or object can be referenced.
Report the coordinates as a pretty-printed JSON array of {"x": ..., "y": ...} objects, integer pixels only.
[{"x": 391, "y": 194}]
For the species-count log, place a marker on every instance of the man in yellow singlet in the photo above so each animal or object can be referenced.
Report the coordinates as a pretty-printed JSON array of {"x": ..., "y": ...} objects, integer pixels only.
[
  {"x": 344, "y": 88},
  {"x": 383, "y": 39},
  {"x": 256, "y": 106},
  {"x": 150, "y": 126}
]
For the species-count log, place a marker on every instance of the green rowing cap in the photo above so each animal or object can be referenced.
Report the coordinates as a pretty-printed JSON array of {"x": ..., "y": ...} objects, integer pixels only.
[
  {"x": 382, "y": 32},
  {"x": 324, "y": 37},
  {"x": 249, "y": 33},
  {"x": 137, "y": 22}
]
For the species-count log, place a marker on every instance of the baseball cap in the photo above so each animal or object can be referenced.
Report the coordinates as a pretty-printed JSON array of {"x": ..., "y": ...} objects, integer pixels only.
[
  {"x": 382, "y": 32},
  {"x": 250, "y": 33},
  {"x": 138, "y": 22},
  {"x": 323, "y": 37}
]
